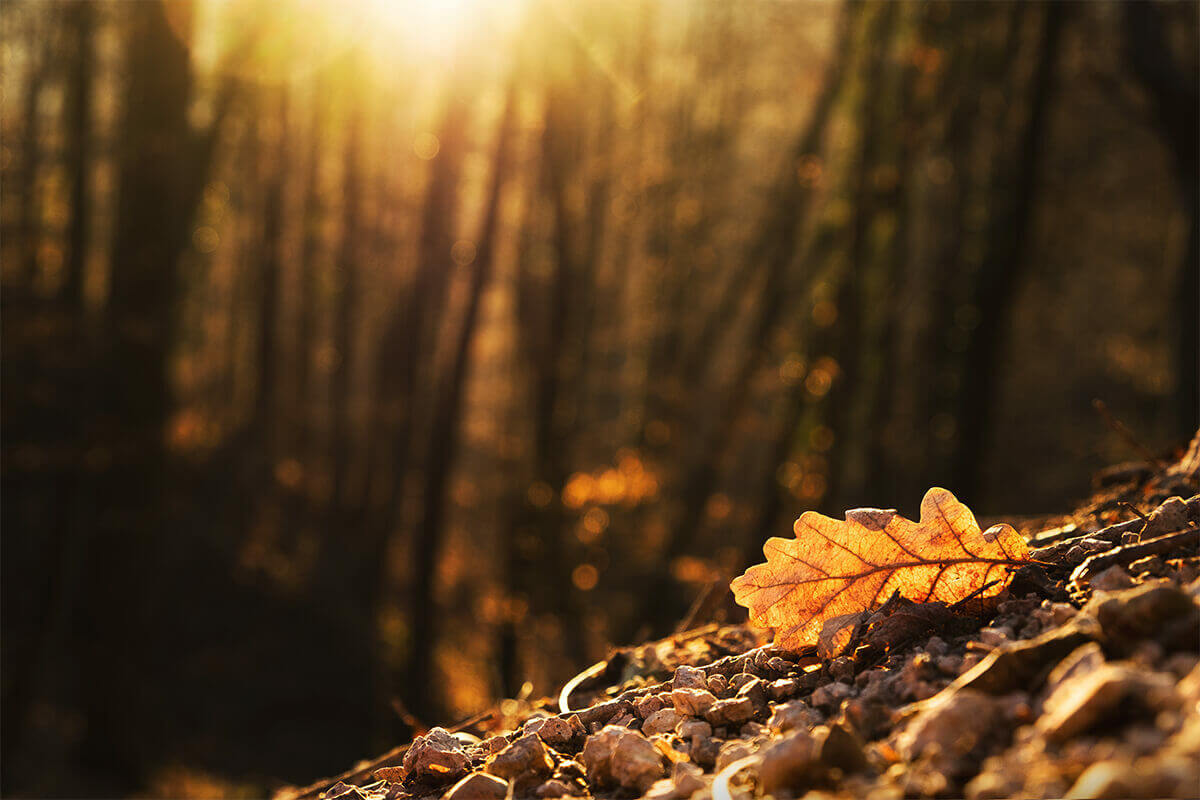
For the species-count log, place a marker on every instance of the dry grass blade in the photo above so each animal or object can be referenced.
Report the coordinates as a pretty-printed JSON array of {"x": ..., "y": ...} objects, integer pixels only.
[{"x": 815, "y": 587}]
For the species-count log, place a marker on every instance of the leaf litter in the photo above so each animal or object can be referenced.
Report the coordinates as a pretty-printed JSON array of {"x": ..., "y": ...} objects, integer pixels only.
[{"x": 976, "y": 667}]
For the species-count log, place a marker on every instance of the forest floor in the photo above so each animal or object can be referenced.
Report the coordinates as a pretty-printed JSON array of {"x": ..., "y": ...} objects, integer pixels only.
[{"x": 1080, "y": 680}]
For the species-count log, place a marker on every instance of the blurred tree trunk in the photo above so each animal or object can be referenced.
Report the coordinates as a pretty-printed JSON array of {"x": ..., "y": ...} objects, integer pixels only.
[
  {"x": 774, "y": 248},
  {"x": 847, "y": 391},
  {"x": 410, "y": 336},
  {"x": 346, "y": 282},
  {"x": 29, "y": 224},
  {"x": 1175, "y": 98},
  {"x": 269, "y": 271},
  {"x": 162, "y": 166},
  {"x": 1015, "y": 191},
  {"x": 446, "y": 429},
  {"x": 153, "y": 216},
  {"x": 82, "y": 64}
]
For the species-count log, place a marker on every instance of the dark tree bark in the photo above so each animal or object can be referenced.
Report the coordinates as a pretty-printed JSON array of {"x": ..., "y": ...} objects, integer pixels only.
[
  {"x": 346, "y": 271},
  {"x": 1004, "y": 260},
  {"x": 446, "y": 430},
  {"x": 774, "y": 249},
  {"x": 848, "y": 384},
  {"x": 81, "y": 66},
  {"x": 270, "y": 269},
  {"x": 1175, "y": 99},
  {"x": 29, "y": 224}
]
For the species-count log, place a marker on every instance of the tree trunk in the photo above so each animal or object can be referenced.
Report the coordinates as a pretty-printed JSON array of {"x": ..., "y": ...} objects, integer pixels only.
[
  {"x": 445, "y": 432},
  {"x": 81, "y": 27},
  {"x": 1002, "y": 267}
]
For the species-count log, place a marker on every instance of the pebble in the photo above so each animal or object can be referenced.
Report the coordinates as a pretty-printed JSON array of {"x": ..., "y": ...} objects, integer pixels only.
[
  {"x": 718, "y": 685},
  {"x": 555, "y": 788},
  {"x": 1111, "y": 579},
  {"x": 478, "y": 786},
  {"x": 1081, "y": 702},
  {"x": 662, "y": 721},
  {"x": 951, "y": 723},
  {"x": 704, "y": 751},
  {"x": 525, "y": 755},
  {"x": 831, "y": 695},
  {"x": 788, "y": 763},
  {"x": 729, "y": 753},
  {"x": 730, "y": 712},
  {"x": 995, "y": 637},
  {"x": 558, "y": 732},
  {"x": 644, "y": 707},
  {"x": 740, "y": 680},
  {"x": 437, "y": 755},
  {"x": 693, "y": 702},
  {"x": 842, "y": 669},
  {"x": 793, "y": 715},
  {"x": 686, "y": 779},
  {"x": 783, "y": 688},
  {"x": 691, "y": 728},
  {"x": 620, "y": 756},
  {"x": 689, "y": 678},
  {"x": 936, "y": 646}
]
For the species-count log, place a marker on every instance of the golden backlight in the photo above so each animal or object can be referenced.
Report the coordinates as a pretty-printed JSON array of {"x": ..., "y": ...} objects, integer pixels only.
[{"x": 292, "y": 38}]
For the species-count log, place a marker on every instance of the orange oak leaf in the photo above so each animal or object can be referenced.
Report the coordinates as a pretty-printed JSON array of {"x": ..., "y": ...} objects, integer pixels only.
[{"x": 815, "y": 588}]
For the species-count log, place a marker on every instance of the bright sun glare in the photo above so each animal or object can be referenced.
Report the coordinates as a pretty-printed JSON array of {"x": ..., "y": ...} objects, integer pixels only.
[{"x": 302, "y": 35}]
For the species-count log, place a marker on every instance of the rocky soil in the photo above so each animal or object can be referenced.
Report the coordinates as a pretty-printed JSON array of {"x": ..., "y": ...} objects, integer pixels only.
[{"x": 1081, "y": 680}]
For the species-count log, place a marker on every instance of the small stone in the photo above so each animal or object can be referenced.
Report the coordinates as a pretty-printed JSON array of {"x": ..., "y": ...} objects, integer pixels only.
[
  {"x": 478, "y": 786},
  {"x": 1078, "y": 704},
  {"x": 693, "y": 702},
  {"x": 644, "y": 707},
  {"x": 777, "y": 665},
  {"x": 1160, "y": 611},
  {"x": 793, "y": 715},
  {"x": 624, "y": 721},
  {"x": 831, "y": 695},
  {"x": 718, "y": 684},
  {"x": 691, "y": 728},
  {"x": 390, "y": 774},
  {"x": 1111, "y": 579},
  {"x": 730, "y": 712},
  {"x": 842, "y": 669},
  {"x": 662, "y": 721},
  {"x": 555, "y": 788},
  {"x": 525, "y": 755},
  {"x": 729, "y": 753},
  {"x": 755, "y": 691},
  {"x": 953, "y": 723},
  {"x": 783, "y": 689},
  {"x": 840, "y": 747},
  {"x": 949, "y": 664},
  {"x": 686, "y": 779},
  {"x": 752, "y": 729},
  {"x": 556, "y": 732},
  {"x": 621, "y": 756},
  {"x": 740, "y": 680},
  {"x": 994, "y": 637},
  {"x": 1150, "y": 565},
  {"x": 493, "y": 744},
  {"x": 570, "y": 770},
  {"x": 532, "y": 725},
  {"x": 636, "y": 763},
  {"x": 689, "y": 678},
  {"x": 936, "y": 646},
  {"x": 437, "y": 755},
  {"x": 788, "y": 763},
  {"x": 704, "y": 751}
]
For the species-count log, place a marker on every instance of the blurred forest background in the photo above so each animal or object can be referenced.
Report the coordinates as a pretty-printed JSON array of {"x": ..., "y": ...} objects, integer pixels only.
[{"x": 361, "y": 357}]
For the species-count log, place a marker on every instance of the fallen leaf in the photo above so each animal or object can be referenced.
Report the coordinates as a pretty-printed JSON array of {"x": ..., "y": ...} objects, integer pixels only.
[{"x": 815, "y": 588}]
